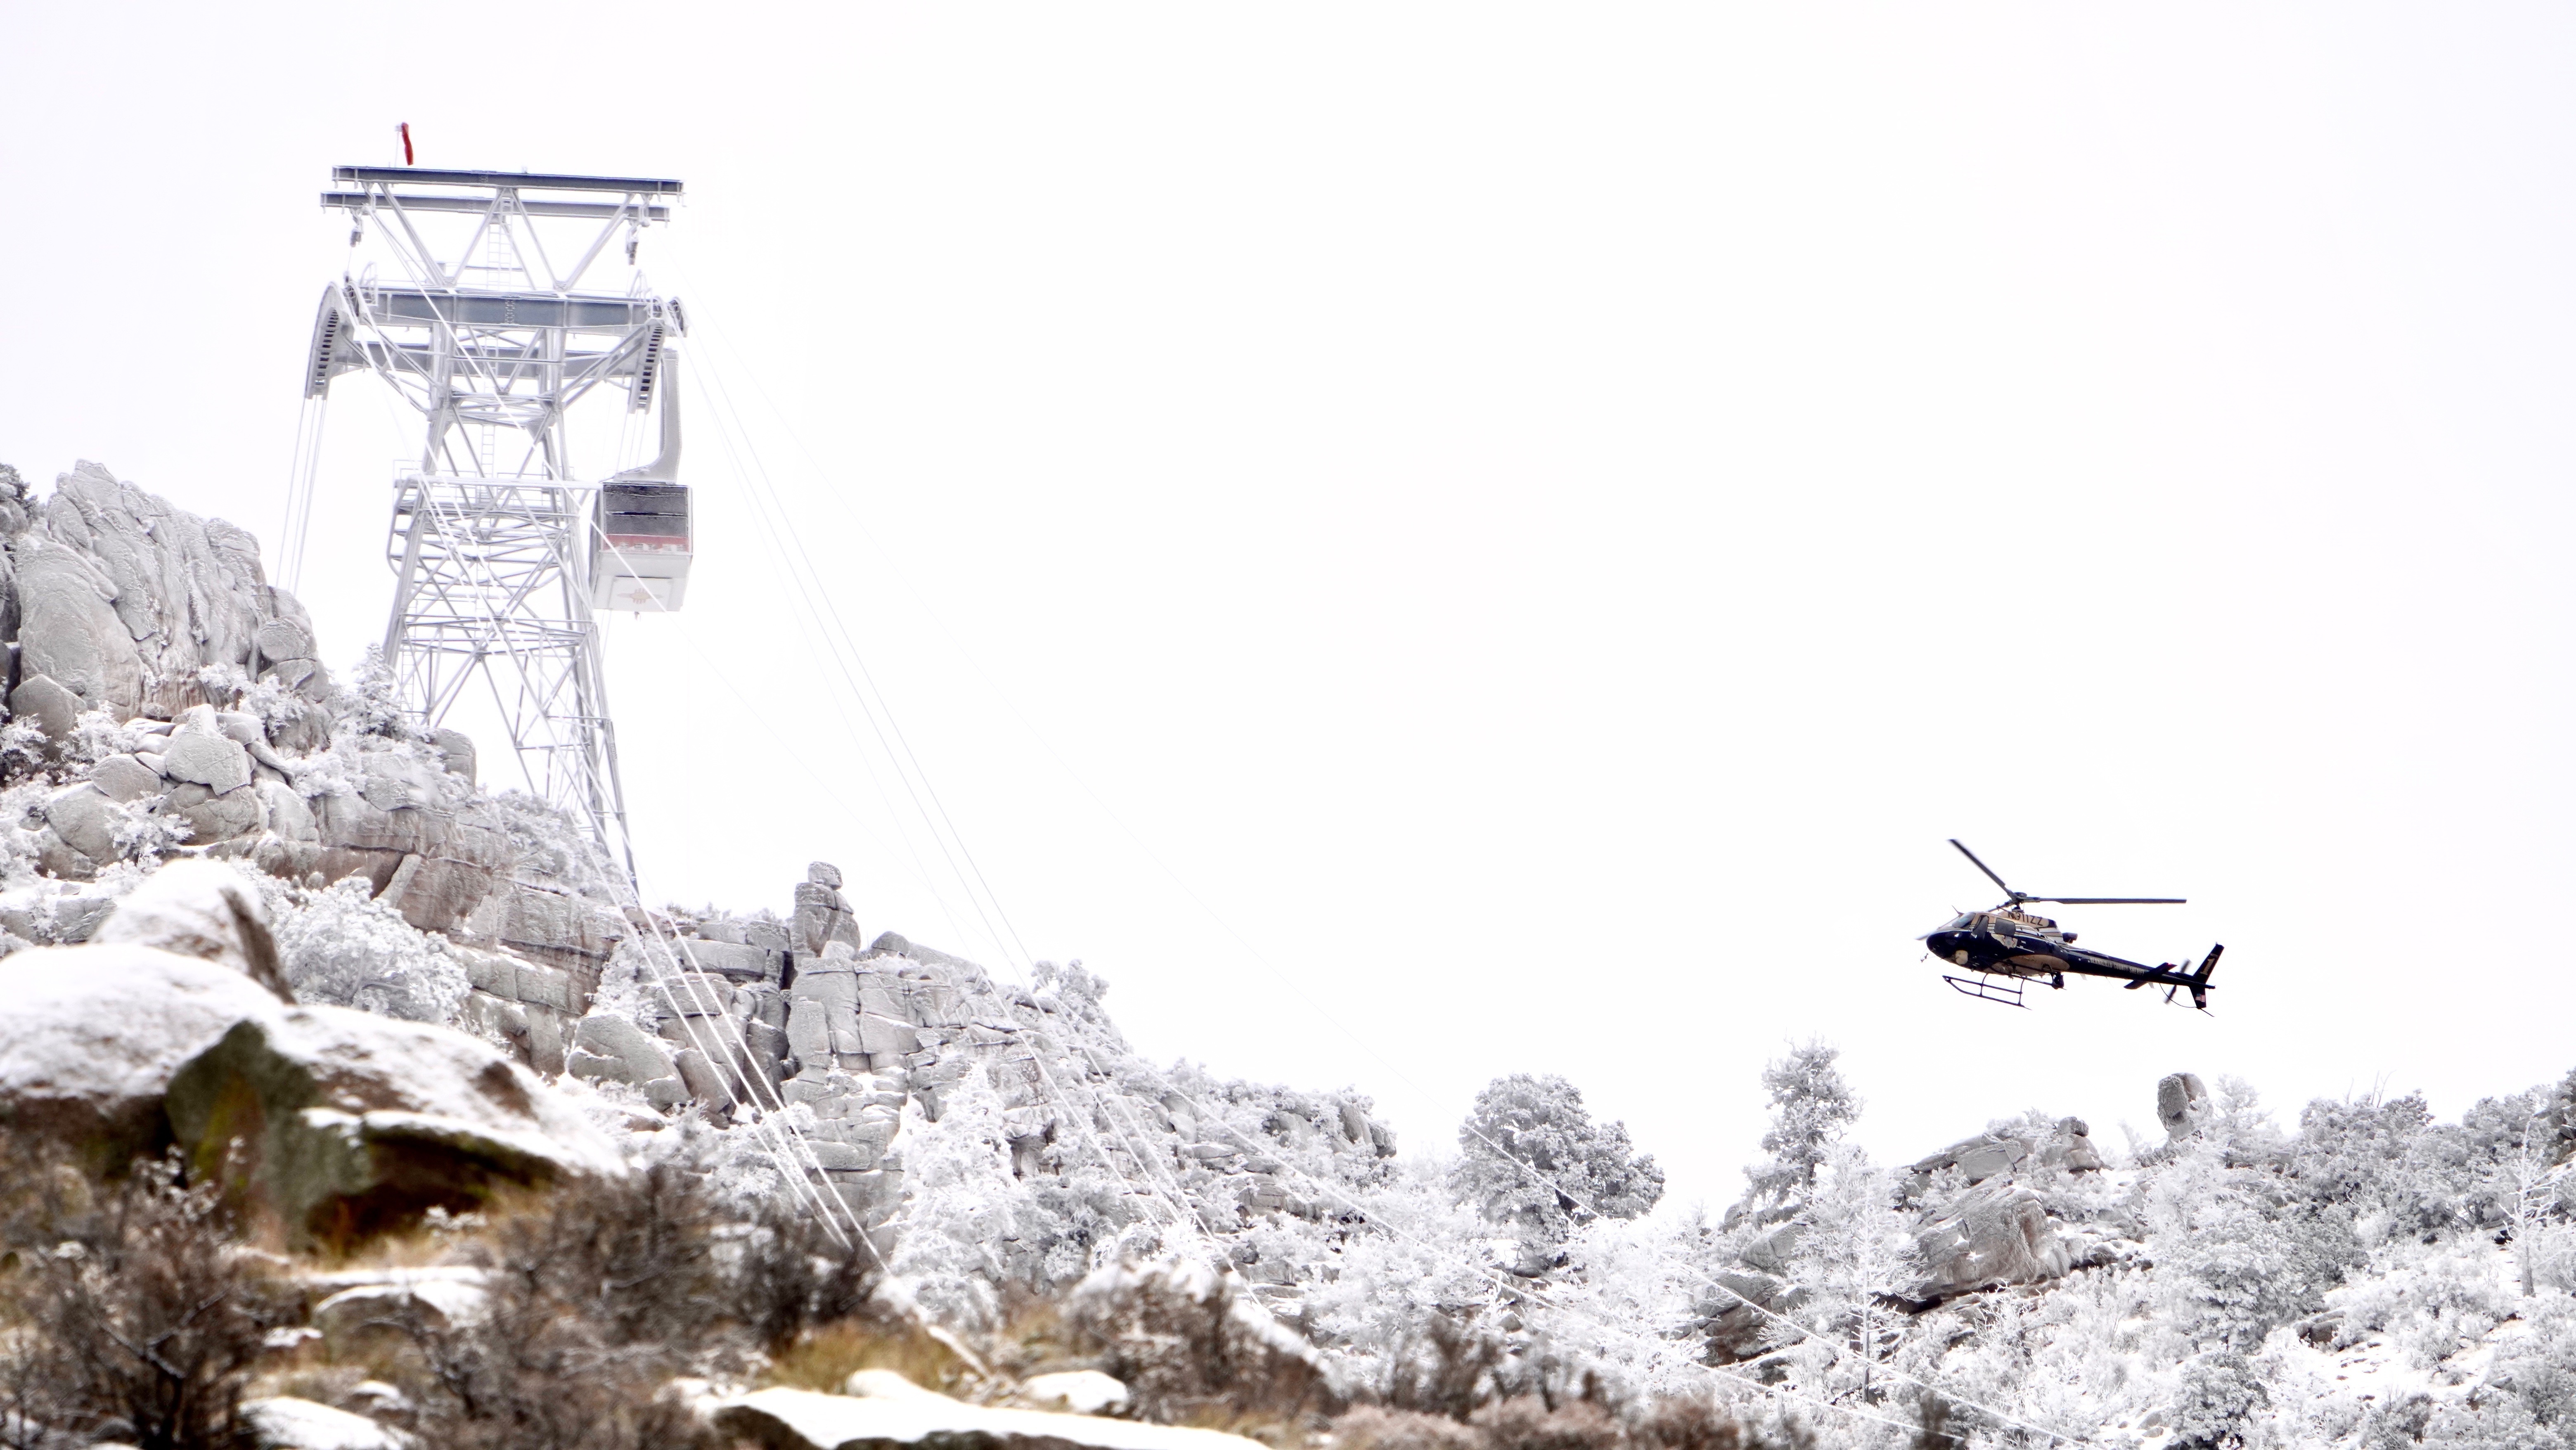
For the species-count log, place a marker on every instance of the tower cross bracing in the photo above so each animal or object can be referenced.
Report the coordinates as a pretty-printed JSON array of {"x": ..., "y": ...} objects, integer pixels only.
[{"x": 472, "y": 308}]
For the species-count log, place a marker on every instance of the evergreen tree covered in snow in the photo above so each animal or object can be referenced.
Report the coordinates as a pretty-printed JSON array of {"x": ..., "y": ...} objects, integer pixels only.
[
  {"x": 1529, "y": 1155},
  {"x": 1811, "y": 1106},
  {"x": 1855, "y": 1256}
]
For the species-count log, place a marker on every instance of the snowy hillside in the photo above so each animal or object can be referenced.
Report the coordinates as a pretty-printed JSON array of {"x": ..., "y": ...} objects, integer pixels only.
[{"x": 467, "y": 1002}]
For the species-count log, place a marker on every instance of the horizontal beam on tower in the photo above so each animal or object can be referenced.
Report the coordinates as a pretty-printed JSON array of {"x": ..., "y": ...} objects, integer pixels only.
[
  {"x": 461, "y": 308},
  {"x": 424, "y": 176},
  {"x": 423, "y": 201}
]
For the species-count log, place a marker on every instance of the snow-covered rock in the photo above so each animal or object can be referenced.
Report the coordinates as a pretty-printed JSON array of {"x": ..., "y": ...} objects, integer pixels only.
[
  {"x": 68, "y": 629},
  {"x": 331, "y": 1123},
  {"x": 2182, "y": 1104},
  {"x": 204, "y": 910},
  {"x": 782, "y": 1419},
  {"x": 91, "y": 1036},
  {"x": 440, "y": 1296},
  {"x": 1998, "y": 1233},
  {"x": 282, "y": 1422},
  {"x": 1079, "y": 1391}
]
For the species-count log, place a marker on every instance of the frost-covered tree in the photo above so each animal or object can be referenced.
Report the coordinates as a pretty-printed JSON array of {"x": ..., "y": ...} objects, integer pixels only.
[
  {"x": 1529, "y": 1155},
  {"x": 341, "y": 947},
  {"x": 2355, "y": 1153},
  {"x": 2220, "y": 1394},
  {"x": 372, "y": 704},
  {"x": 1811, "y": 1105},
  {"x": 2234, "y": 1259},
  {"x": 1855, "y": 1252},
  {"x": 2526, "y": 1183},
  {"x": 961, "y": 1205}
]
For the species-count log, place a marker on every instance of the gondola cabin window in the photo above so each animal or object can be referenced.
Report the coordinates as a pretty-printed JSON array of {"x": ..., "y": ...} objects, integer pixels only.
[{"x": 640, "y": 547}]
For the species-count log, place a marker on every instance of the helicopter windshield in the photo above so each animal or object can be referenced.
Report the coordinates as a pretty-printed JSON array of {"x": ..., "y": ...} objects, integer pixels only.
[{"x": 1964, "y": 923}]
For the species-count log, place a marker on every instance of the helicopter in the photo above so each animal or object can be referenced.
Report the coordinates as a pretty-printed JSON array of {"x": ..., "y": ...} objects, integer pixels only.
[{"x": 2006, "y": 946}]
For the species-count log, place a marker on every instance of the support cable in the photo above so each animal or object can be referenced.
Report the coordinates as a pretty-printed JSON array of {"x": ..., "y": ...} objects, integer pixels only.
[
  {"x": 795, "y": 1137},
  {"x": 762, "y": 482},
  {"x": 773, "y": 528}
]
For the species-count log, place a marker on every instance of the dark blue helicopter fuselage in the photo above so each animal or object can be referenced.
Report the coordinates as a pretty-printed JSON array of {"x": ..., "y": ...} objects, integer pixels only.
[{"x": 1991, "y": 942}]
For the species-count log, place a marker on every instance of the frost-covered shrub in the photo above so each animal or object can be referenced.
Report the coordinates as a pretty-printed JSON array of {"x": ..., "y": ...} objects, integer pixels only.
[
  {"x": 134, "y": 1316},
  {"x": 2217, "y": 1401},
  {"x": 1371, "y": 1428},
  {"x": 2487, "y": 1422},
  {"x": 1530, "y": 1156},
  {"x": 23, "y": 749},
  {"x": 343, "y": 948},
  {"x": 2237, "y": 1255},
  {"x": 630, "y": 985},
  {"x": 1188, "y": 1345},
  {"x": 371, "y": 704},
  {"x": 143, "y": 833},
  {"x": 2354, "y": 1152},
  {"x": 1391, "y": 1293},
  {"x": 2241, "y": 1128},
  {"x": 17, "y": 836},
  {"x": 1855, "y": 1255},
  {"x": 2432, "y": 1309},
  {"x": 97, "y": 735},
  {"x": 2398, "y": 1425},
  {"x": 960, "y": 1206},
  {"x": 2539, "y": 1368}
]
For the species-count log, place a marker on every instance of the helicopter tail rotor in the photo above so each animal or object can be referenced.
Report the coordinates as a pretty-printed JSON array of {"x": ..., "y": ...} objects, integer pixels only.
[
  {"x": 2200, "y": 979},
  {"x": 2197, "y": 984}
]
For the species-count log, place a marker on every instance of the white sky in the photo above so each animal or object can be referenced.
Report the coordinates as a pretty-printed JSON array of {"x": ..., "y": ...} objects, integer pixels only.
[{"x": 1544, "y": 519}]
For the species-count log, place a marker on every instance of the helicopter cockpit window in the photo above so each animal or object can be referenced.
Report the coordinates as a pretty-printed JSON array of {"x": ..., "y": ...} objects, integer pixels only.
[{"x": 1964, "y": 923}]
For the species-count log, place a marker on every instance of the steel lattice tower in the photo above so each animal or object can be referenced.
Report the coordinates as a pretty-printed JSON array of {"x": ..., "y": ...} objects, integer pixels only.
[{"x": 500, "y": 551}]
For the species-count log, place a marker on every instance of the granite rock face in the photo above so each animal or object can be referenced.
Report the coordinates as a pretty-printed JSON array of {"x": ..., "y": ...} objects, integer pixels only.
[
  {"x": 69, "y": 631},
  {"x": 2182, "y": 1104},
  {"x": 185, "y": 713},
  {"x": 186, "y": 592},
  {"x": 1998, "y": 1233},
  {"x": 1992, "y": 1155}
]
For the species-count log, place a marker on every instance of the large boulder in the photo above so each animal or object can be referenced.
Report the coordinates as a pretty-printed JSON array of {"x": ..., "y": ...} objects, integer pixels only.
[
  {"x": 187, "y": 591},
  {"x": 212, "y": 761},
  {"x": 330, "y": 1124},
  {"x": 204, "y": 910},
  {"x": 1740, "y": 1313},
  {"x": 282, "y": 1422},
  {"x": 92, "y": 1036},
  {"x": 53, "y": 709},
  {"x": 1996, "y": 1234},
  {"x": 884, "y": 1416},
  {"x": 610, "y": 1047},
  {"x": 2182, "y": 1104},
  {"x": 86, "y": 819},
  {"x": 68, "y": 628},
  {"x": 1998, "y": 1154}
]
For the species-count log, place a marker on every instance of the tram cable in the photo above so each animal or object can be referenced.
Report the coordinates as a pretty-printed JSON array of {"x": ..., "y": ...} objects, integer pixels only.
[{"x": 817, "y": 600}]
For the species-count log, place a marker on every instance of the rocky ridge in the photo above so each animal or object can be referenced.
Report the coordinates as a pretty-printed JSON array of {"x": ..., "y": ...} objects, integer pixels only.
[{"x": 179, "y": 776}]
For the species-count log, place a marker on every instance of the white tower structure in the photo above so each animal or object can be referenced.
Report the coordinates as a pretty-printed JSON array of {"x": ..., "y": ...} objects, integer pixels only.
[{"x": 471, "y": 306}]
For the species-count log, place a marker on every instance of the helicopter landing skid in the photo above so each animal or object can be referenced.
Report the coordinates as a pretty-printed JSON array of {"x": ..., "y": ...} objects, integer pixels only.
[{"x": 1988, "y": 988}]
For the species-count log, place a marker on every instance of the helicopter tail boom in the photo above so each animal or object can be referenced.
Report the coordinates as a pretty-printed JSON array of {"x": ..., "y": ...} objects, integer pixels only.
[{"x": 2174, "y": 979}]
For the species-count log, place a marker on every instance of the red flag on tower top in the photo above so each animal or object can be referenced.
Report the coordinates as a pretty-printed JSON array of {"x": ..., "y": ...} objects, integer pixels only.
[{"x": 405, "y": 129}]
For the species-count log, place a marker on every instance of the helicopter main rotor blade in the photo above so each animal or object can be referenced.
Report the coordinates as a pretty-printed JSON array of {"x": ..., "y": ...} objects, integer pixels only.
[
  {"x": 1989, "y": 870},
  {"x": 2111, "y": 900}
]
